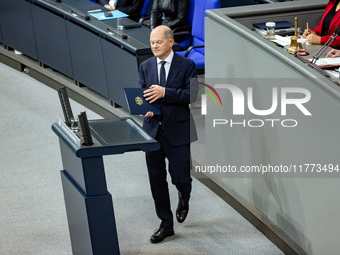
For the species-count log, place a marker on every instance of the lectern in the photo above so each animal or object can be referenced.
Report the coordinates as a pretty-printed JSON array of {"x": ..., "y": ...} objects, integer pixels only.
[{"x": 88, "y": 203}]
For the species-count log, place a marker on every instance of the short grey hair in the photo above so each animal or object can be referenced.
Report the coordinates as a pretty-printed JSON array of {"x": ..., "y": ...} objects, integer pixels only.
[{"x": 168, "y": 34}]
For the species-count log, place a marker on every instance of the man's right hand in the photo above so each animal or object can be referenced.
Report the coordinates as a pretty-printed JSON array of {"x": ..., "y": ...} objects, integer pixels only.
[
  {"x": 110, "y": 7},
  {"x": 148, "y": 115}
]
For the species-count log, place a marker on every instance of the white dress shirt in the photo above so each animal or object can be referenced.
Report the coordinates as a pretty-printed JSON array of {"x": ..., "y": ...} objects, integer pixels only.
[{"x": 168, "y": 61}]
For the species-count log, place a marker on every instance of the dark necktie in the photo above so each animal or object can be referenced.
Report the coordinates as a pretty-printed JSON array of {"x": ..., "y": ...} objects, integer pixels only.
[{"x": 162, "y": 79}]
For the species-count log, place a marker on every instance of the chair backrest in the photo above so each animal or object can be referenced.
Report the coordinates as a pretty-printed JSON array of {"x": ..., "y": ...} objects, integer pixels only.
[
  {"x": 146, "y": 8},
  {"x": 198, "y": 20},
  {"x": 190, "y": 15},
  {"x": 191, "y": 11}
]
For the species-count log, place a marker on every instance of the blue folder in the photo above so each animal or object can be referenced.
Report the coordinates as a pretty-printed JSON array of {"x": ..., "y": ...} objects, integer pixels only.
[
  {"x": 137, "y": 103},
  {"x": 115, "y": 14}
]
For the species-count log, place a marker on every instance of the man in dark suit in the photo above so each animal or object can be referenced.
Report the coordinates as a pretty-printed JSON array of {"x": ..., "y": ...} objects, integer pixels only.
[
  {"x": 167, "y": 77},
  {"x": 130, "y": 7}
]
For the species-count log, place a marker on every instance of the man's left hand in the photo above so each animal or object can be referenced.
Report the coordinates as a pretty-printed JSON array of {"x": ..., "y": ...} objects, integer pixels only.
[{"x": 154, "y": 93}]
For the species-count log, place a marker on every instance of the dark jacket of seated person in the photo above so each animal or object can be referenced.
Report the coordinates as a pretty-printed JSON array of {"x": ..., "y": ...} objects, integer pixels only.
[
  {"x": 171, "y": 13},
  {"x": 130, "y": 7},
  {"x": 325, "y": 29}
]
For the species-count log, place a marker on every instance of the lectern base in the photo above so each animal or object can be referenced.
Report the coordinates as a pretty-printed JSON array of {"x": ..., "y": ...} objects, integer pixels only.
[
  {"x": 89, "y": 205},
  {"x": 91, "y": 220}
]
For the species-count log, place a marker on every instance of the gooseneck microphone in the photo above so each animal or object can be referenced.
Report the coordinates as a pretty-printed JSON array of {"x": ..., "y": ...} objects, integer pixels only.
[{"x": 326, "y": 45}]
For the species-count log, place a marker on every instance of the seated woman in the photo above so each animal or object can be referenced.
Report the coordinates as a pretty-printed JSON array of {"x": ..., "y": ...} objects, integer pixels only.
[
  {"x": 171, "y": 13},
  {"x": 130, "y": 7},
  {"x": 329, "y": 22}
]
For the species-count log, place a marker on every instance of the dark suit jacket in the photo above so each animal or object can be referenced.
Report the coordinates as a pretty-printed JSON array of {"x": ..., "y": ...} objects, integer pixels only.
[
  {"x": 130, "y": 7},
  {"x": 176, "y": 117}
]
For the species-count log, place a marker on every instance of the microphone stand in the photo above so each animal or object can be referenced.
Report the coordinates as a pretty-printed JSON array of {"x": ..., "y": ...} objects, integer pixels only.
[{"x": 325, "y": 46}]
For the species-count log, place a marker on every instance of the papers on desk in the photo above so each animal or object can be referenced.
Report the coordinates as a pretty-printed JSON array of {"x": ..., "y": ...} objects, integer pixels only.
[
  {"x": 282, "y": 40},
  {"x": 333, "y": 74},
  {"x": 327, "y": 62},
  {"x": 115, "y": 14}
]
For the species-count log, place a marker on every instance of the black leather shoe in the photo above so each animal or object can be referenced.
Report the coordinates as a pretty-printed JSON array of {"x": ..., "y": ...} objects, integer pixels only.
[
  {"x": 182, "y": 212},
  {"x": 160, "y": 234}
]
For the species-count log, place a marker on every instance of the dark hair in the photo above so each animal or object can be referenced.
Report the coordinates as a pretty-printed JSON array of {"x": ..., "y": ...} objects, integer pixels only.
[{"x": 335, "y": 1}]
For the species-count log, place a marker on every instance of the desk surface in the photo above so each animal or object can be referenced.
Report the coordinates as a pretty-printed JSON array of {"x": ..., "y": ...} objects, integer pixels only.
[
  {"x": 312, "y": 50},
  {"x": 225, "y": 17},
  {"x": 110, "y": 136},
  {"x": 138, "y": 39},
  {"x": 283, "y": 7}
]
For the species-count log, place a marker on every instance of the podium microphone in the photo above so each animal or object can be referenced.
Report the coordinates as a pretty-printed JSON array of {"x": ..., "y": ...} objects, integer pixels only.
[{"x": 326, "y": 45}]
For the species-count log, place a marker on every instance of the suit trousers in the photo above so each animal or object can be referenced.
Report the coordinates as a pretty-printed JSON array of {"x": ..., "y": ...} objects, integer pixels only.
[{"x": 179, "y": 159}]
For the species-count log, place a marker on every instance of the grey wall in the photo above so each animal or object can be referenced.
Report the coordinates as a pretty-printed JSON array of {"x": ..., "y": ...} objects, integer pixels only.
[{"x": 304, "y": 207}]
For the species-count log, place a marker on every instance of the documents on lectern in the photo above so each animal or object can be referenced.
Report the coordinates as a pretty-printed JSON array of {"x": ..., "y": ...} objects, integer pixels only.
[{"x": 137, "y": 103}]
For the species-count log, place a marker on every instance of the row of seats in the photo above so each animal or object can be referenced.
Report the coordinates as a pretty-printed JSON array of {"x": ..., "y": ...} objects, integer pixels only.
[
  {"x": 195, "y": 51},
  {"x": 194, "y": 42},
  {"x": 193, "y": 46}
]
